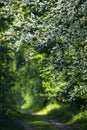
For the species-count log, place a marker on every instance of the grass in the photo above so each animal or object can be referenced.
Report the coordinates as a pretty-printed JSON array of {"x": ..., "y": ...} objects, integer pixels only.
[
  {"x": 48, "y": 108},
  {"x": 66, "y": 113},
  {"x": 8, "y": 124},
  {"x": 42, "y": 125},
  {"x": 80, "y": 120}
]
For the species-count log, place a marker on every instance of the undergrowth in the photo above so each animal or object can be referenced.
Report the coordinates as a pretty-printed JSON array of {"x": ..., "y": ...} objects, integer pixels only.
[
  {"x": 6, "y": 123},
  {"x": 69, "y": 114}
]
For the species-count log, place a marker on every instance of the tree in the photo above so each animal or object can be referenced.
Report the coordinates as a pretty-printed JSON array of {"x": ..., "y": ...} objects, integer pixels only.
[
  {"x": 60, "y": 31},
  {"x": 7, "y": 76},
  {"x": 57, "y": 31}
]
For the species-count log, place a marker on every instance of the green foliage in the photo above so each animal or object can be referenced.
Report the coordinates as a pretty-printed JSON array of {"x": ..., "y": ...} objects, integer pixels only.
[
  {"x": 7, "y": 71},
  {"x": 59, "y": 31},
  {"x": 43, "y": 51},
  {"x": 6, "y": 78}
]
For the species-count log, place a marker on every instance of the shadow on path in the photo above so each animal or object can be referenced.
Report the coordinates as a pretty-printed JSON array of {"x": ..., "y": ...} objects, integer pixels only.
[{"x": 22, "y": 123}]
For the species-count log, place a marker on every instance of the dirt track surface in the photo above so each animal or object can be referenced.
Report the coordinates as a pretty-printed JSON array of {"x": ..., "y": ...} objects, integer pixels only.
[
  {"x": 61, "y": 126},
  {"x": 57, "y": 124}
]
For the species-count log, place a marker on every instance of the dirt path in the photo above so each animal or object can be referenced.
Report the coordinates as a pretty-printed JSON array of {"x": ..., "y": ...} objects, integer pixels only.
[
  {"x": 61, "y": 126},
  {"x": 57, "y": 124}
]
